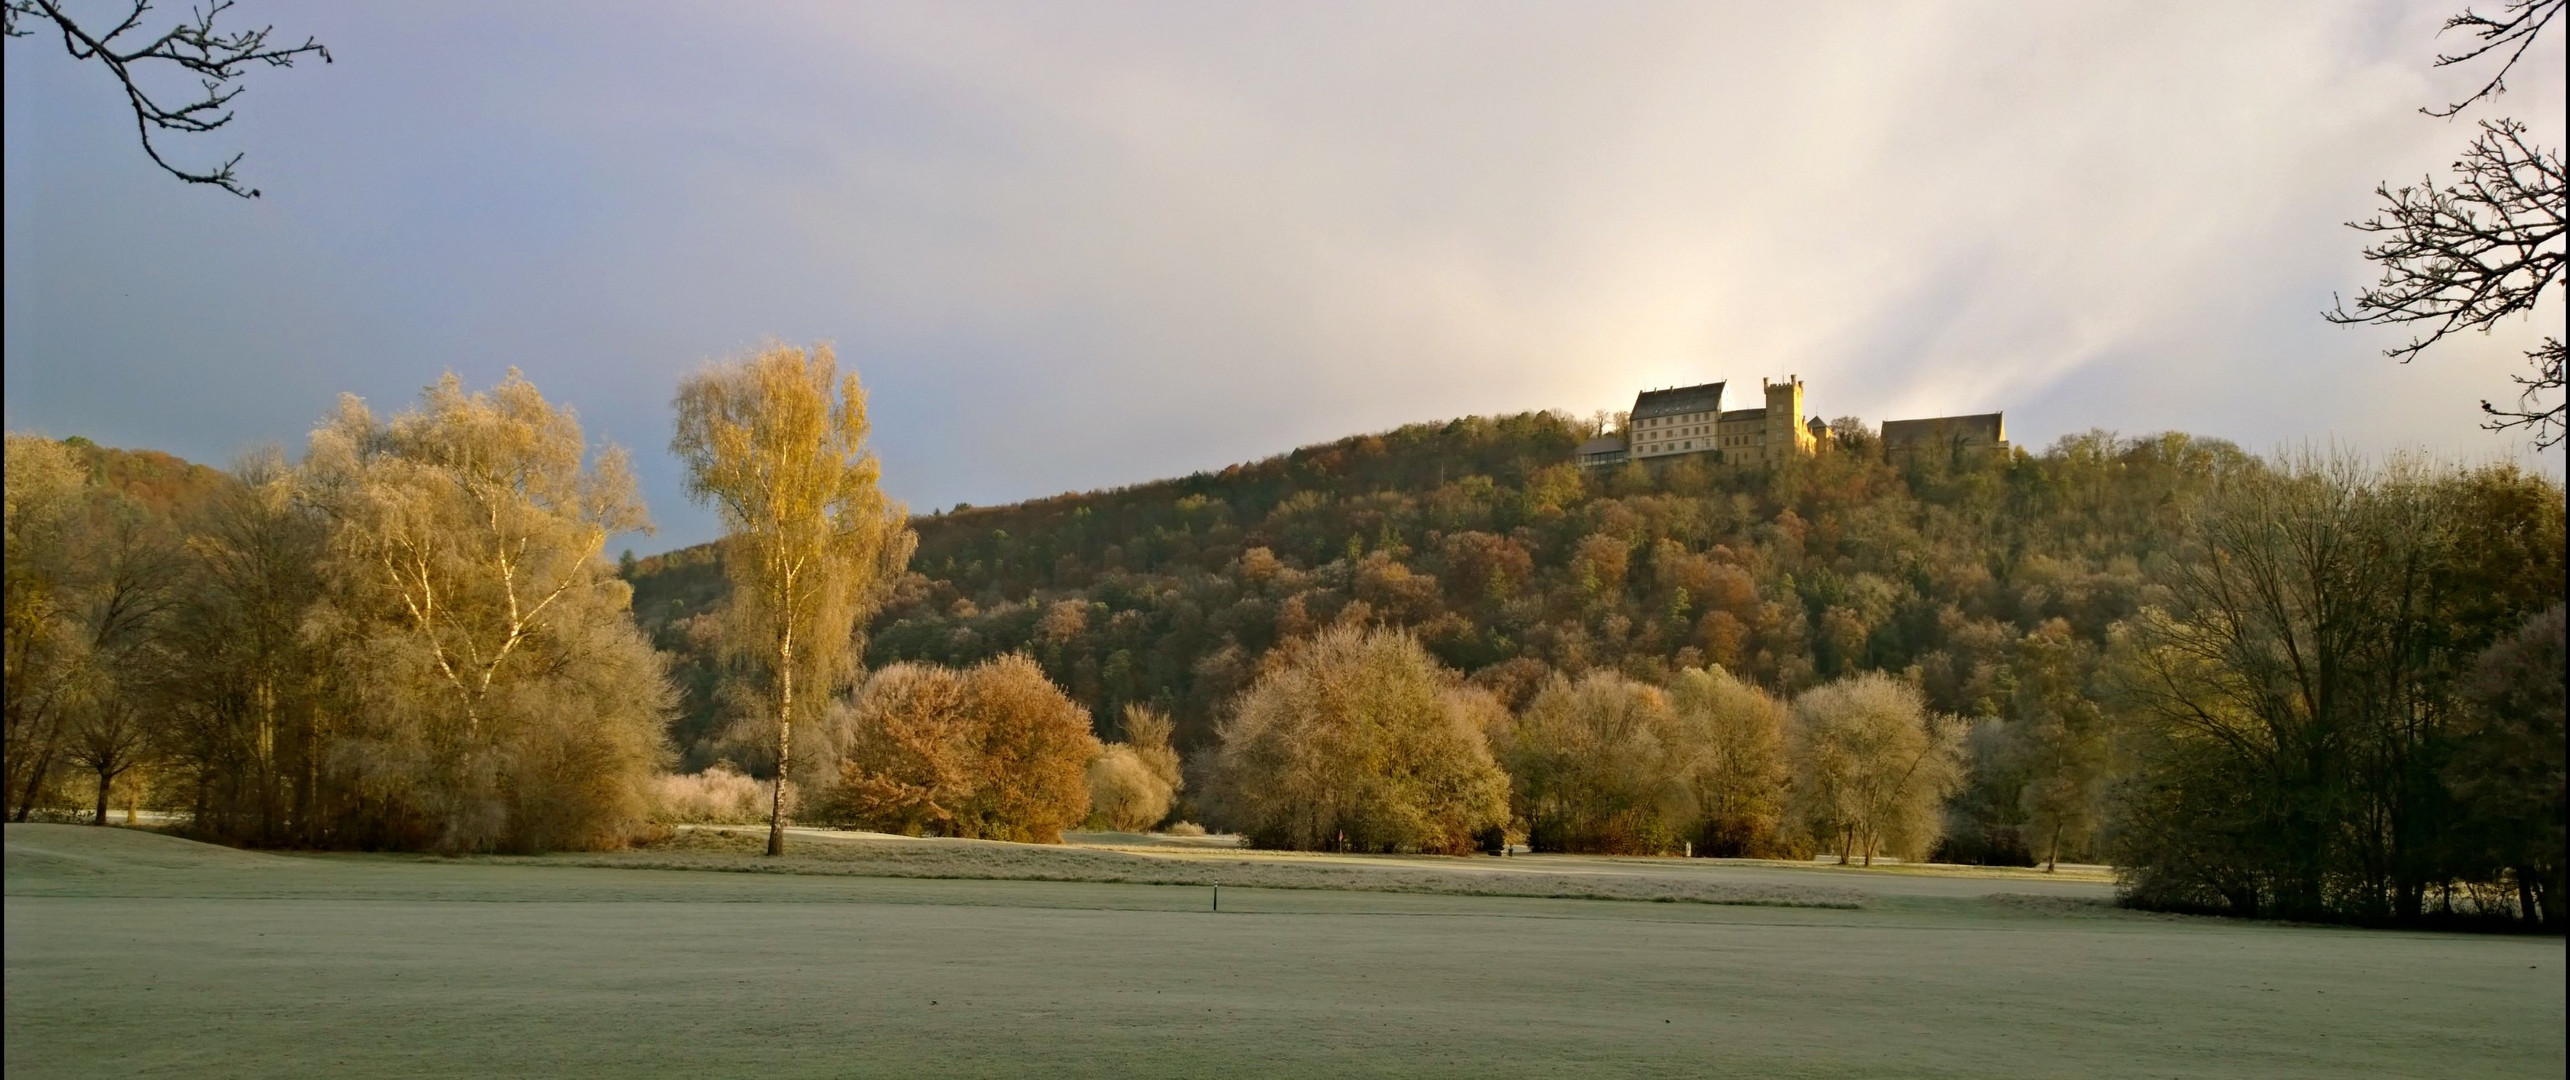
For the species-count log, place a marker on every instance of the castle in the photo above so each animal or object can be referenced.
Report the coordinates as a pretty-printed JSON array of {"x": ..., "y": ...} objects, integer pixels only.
[{"x": 1690, "y": 420}]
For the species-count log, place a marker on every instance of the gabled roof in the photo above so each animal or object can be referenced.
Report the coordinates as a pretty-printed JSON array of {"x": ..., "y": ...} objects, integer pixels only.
[{"x": 1685, "y": 399}]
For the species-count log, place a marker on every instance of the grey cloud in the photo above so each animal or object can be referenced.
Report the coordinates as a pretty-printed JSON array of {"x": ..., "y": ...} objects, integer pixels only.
[{"x": 1073, "y": 247}]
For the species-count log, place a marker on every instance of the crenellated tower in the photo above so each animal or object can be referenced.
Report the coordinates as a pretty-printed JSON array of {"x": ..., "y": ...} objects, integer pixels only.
[{"x": 1784, "y": 426}]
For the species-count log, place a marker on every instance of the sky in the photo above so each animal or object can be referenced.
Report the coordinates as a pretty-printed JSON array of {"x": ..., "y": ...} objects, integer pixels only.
[{"x": 1078, "y": 246}]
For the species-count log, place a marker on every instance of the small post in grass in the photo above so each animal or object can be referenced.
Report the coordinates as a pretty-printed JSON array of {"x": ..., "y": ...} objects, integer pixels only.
[{"x": 1218, "y": 897}]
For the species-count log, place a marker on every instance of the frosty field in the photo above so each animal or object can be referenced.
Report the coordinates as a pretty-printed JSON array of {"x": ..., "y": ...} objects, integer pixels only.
[{"x": 130, "y": 954}]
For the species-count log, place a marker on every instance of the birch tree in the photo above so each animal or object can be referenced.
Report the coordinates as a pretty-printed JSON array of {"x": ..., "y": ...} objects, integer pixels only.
[
  {"x": 504, "y": 694},
  {"x": 1872, "y": 767},
  {"x": 776, "y": 443}
]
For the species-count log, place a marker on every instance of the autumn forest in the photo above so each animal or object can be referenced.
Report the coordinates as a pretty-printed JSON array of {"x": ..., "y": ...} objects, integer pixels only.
[{"x": 2302, "y": 685}]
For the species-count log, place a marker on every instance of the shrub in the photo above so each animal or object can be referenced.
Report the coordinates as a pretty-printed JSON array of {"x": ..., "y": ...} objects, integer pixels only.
[
  {"x": 1133, "y": 784},
  {"x": 1123, "y": 793},
  {"x": 995, "y": 752},
  {"x": 717, "y": 796},
  {"x": 1357, "y": 739}
]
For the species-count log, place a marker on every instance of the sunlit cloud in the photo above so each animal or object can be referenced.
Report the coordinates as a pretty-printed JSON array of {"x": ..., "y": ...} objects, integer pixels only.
[{"x": 1072, "y": 248}]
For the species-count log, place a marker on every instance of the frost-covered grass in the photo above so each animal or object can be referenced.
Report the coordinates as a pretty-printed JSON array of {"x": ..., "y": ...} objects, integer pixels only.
[
  {"x": 134, "y": 954},
  {"x": 881, "y": 856}
]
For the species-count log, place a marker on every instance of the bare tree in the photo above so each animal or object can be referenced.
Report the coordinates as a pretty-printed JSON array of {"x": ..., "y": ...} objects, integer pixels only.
[
  {"x": 110, "y": 738},
  {"x": 2517, "y": 24},
  {"x": 2481, "y": 249},
  {"x": 777, "y": 443},
  {"x": 214, "y": 57},
  {"x": 244, "y": 685}
]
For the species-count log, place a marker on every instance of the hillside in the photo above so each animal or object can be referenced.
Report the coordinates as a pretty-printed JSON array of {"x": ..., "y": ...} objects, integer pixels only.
[
  {"x": 164, "y": 484},
  {"x": 1479, "y": 535}
]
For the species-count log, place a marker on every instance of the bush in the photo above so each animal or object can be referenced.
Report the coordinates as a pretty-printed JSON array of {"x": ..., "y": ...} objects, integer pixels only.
[
  {"x": 717, "y": 796},
  {"x": 1133, "y": 784},
  {"x": 994, "y": 752},
  {"x": 1358, "y": 740},
  {"x": 1123, "y": 794}
]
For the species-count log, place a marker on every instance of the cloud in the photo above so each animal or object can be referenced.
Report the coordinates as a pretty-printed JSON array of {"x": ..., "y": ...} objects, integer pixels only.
[{"x": 1073, "y": 248}]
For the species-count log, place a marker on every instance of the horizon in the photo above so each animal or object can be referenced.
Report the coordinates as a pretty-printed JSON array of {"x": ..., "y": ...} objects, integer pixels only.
[
  {"x": 1072, "y": 254},
  {"x": 626, "y": 542}
]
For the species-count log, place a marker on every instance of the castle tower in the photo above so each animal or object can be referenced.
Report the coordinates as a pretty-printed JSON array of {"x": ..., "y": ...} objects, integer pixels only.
[{"x": 1785, "y": 431}]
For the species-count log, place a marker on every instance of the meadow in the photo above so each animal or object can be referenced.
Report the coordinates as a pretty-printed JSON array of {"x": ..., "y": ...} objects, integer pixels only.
[{"x": 131, "y": 953}]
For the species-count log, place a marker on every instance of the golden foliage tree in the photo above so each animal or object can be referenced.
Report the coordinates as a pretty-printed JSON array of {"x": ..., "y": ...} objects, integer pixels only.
[
  {"x": 1735, "y": 734},
  {"x": 1358, "y": 739},
  {"x": 2062, "y": 742},
  {"x": 1598, "y": 765},
  {"x": 498, "y": 693},
  {"x": 90, "y": 579},
  {"x": 1133, "y": 783},
  {"x": 45, "y": 647},
  {"x": 1872, "y": 767},
  {"x": 994, "y": 752},
  {"x": 776, "y": 442}
]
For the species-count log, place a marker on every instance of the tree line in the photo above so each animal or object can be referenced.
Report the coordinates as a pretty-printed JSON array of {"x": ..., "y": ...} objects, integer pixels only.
[
  {"x": 408, "y": 638},
  {"x": 2025, "y": 599},
  {"x": 2311, "y": 688}
]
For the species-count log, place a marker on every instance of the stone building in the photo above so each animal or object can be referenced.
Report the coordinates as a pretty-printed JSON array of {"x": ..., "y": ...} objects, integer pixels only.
[
  {"x": 1905, "y": 440},
  {"x": 1691, "y": 420}
]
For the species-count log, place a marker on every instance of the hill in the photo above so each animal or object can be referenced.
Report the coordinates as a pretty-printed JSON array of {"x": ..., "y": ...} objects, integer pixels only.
[
  {"x": 1510, "y": 563},
  {"x": 166, "y": 485}
]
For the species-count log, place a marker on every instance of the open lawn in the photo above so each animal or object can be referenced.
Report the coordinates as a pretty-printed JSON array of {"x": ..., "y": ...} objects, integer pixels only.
[{"x": 134, "y": 954}]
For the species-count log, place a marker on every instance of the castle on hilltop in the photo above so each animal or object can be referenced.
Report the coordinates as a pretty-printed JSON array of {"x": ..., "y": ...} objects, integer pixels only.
[{"x": 1690, "y": 420}]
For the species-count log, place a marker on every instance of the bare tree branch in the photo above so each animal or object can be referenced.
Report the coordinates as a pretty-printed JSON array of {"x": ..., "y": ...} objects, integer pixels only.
[
  {"x": 2519, "y": 23},
  {"x": 2462, "y": 257},
  {"x": 215, "y": 58},
  {"x": 2548, "y": 421}
]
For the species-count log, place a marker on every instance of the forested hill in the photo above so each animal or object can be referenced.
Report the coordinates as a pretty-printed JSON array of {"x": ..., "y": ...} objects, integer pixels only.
[
  {"x": 162, "y": 484},
  {"x": 1481, "y": 536}
]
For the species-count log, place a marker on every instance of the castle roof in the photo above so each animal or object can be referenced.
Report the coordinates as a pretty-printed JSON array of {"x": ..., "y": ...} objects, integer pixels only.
[
  {"x": 1603, "y": 444},
  {"x": 1988, "y": 428},
  {"x": 1745, "y": 414},
  {"x": 1706, "y": 397}
]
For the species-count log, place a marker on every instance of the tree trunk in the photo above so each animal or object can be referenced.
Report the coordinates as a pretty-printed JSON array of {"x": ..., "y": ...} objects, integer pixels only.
[
  {"x": 784, "y": 744},
  {"x": 35, "y": 783},
  {"x": 106, "y": 783}
]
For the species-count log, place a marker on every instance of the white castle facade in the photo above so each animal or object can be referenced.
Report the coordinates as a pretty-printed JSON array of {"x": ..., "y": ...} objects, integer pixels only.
[{"x": 1690, "y": 420}]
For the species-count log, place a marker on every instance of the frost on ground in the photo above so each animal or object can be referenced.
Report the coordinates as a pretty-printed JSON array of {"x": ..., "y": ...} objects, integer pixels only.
[{"x": 739, "y": 850}]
